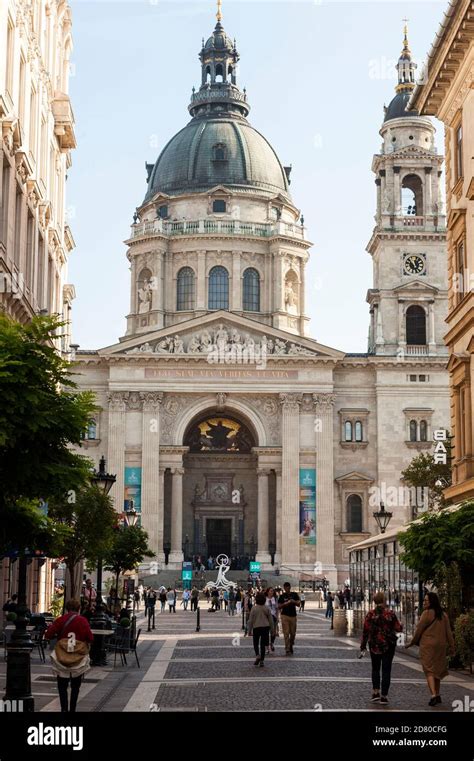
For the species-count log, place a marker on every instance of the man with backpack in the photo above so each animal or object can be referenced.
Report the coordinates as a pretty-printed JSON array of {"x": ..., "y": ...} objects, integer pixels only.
[{"x": 150, "y": 607}]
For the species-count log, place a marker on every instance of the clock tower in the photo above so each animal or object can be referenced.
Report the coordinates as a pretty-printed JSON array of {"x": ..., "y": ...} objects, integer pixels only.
[{"x": 408, "y": 301}]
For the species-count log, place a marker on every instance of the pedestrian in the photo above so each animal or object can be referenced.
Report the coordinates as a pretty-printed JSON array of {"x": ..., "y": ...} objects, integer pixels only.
[
  {"x": 214, "y": 600},
  {"x": 150, "y": 606},
  {"x": 231, "y": 601},
  {"x": 171, "y": 600},
  {"x": 210, "y": 563},
  {"x": 248, "y": 602},
  {"x": 341, "y": 598},
  {"x": 271, "y": 601},
  {"x": 162, "y": 599},
  {"x": 238, "y": 600},
  {"x": 287, "y": 604},
  {"x": 194, "y": 598},
  {"x": 207, "y": 594},
  {"x": 329, "y": 605},
  {"x": 380, "y": 633},
  {"x": 186, "y": 597},
  {"x": 136, "y": 597},
  {"x": 11, "y": 604},
  {"x": 260, "y": 624},
  {"x": 226, "y": 599},
  {"x": 89, "y": 597},
  {"x": 302, "y": 600},
  {"x": 435, "y": 639},
  {"x": 70, "y": 661},
  {"x": 347, "y": 598}
]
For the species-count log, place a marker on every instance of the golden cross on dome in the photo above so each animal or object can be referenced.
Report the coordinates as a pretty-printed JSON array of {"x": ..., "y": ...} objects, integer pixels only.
[
  {"x": 405, "y": 32},
  {"x": 219, "y": 10}
]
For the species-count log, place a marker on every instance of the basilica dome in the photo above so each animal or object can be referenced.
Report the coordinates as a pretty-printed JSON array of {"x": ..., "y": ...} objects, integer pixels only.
[
  {"x": 212, "y": 151},
  {"x": 218, "y": 146},
  {"x": 397, "y": 107}
]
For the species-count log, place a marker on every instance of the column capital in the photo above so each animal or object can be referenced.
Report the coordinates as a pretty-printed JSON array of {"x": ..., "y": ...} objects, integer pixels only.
[
  {"x": 118, "y": 400},
  {"x": 261, "y": 472},
  {"x": 177, "y": 471},
  {"x": 151, "y": 400},
  {"x": 324, "y": 402},
  {"x": 291, "y": 402}
]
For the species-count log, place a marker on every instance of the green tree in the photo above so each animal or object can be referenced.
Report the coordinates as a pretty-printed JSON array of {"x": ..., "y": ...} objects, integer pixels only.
[
  {"x": 424, "y": 473},
  {"x": 41, "y": 416},
  {"x": 88, "y": 520},
  {"x": 440, "y": 547},
  {"x": 128, "y": 549}
]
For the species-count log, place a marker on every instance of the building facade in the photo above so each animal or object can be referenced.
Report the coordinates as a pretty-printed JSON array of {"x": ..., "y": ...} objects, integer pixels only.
[
  {"x": 35, "y": 154},
  {"x": 230, "y": 428},
  {"x": 37, "y": 137},
  {"x": 448, "y": 94}
]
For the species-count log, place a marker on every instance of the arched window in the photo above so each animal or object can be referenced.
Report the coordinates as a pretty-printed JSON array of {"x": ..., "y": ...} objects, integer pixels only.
[
  {"x": 416, "y": 325},
  {"x": 185, "y": 289},
  {"x": 354, "y": 514},
  {"x": 413, "y": 430},
  {"x": 219, "y": 206},
  {"x": 162, "y": 212},
  {"x": 348, "y": 431},
  {"x": 358, "y": 431},
  {"x": 218, "y": 288},
  {"x": 423, "y": 430},
  {"x": 219, "y": 73},
  {"x": 251, "y": 290},
  {"x": 412, "y": 195}
]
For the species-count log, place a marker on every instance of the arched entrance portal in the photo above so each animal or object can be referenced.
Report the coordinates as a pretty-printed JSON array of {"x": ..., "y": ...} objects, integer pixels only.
[{"x": 220, "y": 500}]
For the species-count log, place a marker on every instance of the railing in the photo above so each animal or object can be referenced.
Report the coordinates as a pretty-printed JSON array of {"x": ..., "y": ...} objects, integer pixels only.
[
  {"x": 217, "y": 227},
  {"x": 410, "y": 221},
  {"x": 417, "y": 351},
  {"x": 226, "y": 91}
]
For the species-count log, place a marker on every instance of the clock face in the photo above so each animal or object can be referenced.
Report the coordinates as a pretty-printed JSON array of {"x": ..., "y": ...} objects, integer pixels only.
[{"x": 414, "y": 265}]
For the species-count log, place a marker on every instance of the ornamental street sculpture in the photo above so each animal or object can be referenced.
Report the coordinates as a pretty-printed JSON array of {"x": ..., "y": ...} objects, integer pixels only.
[{"x": 222, "y": 582}]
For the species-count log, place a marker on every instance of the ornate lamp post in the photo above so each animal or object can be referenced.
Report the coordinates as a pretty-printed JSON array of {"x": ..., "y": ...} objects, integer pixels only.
[
  {"x": 104, "y": 481},
  {"x": 382, "y": 518},
  {"x": 18, "y": 686}
]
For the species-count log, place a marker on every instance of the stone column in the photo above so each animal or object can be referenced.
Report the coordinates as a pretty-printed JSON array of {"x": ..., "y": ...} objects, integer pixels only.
[
  {"x": 431, "y": 325},
  {"x": 428, "y": 199},
  {"x": 176, "y": 554},
  {"x": 278, "y": 518},
  {"x": 378, "y": 183},
  {"x": 402, "y": 341},
  {"x": 397, "y": 200},
  {"x": 116, "y": 444},
  {"x": 236, "y": 295},
  {"x": 290, "y": 434},
  {"x": 325, "y": 518},
  {"x": 263, "y": 555},
  {"x": 151, "y": 517},
  {"x": 201, "y": 281},
  {"x": 161, "y": 514}
]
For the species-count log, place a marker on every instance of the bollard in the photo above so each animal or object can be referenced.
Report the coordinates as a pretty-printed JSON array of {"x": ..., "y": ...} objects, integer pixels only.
[
  {"x": 198, "y": 619},
  {"x": 243, "y": 619}
]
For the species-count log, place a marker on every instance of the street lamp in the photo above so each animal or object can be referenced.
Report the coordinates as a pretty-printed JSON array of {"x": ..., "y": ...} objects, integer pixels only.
[
  {"x": 104, "y": 481},
  {"x": 18, "y": 686},
  {"x": 382, "y": 518}
]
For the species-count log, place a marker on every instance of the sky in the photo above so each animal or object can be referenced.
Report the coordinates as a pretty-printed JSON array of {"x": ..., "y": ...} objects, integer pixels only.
[{"x": 317, "y": 73}]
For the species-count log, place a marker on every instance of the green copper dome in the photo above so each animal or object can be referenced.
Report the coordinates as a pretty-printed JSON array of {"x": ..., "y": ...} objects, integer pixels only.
[
  {"x": 218, "y": 146},
  {"x": 217, "y": 151}
]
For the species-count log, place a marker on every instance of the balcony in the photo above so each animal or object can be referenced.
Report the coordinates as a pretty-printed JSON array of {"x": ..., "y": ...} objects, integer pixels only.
[
  {"x": 63, "y": 121},
  {"x": 217, "y": 227},
  {"x": 414, "y": 350}
]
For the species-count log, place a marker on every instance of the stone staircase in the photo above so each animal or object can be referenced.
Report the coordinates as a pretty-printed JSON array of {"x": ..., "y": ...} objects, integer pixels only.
[{"x": 172, "y": 578}]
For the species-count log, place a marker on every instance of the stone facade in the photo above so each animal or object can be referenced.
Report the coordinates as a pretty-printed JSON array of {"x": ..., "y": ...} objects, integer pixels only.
[
  {"x": 35, "y": 154},
  {"x": 235, "y": 425},
  {"x": 448, "y": 94}
]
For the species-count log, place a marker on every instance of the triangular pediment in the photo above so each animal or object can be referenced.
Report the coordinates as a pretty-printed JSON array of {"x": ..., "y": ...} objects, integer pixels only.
[
  {"x": 225, "y": 332},
  {"x": 218, "y": 189},
  {"x": 354, "y": 475},
  {"x": 415, "y": 286}
]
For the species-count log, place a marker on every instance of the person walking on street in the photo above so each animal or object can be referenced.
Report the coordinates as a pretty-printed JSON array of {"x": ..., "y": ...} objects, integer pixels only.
[
  {"x": 150, "y": 607},
  {"x": 271, "y": 601},
  {"x": 162, "y": 599},
  {"x": 260, "y": 624},
  {"x": 231, "y": 601},
  {"x": 347, "y": 598},
  {"x": 329, "y": 605},
  {"x": 302, "y": 600},
  {"x": 434, "y": 636},
  {"x": 380, "y": 633},
  {"x": 248, "y": 602},
  {"x": 171, "y": 600},
  {"x": 70, "y": 665},
  {"x": 287, "y": 604},
  {"x": 194, "y": 598},
  {"x": 186, "y": 596},
  {"x": 238, "y": 600}
]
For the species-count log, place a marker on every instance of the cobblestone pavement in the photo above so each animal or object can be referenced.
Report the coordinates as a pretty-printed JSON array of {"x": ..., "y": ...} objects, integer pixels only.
[{"x": 212, "y": 670}]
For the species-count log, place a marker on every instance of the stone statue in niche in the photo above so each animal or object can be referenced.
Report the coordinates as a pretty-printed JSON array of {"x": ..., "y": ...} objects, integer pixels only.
[
  {"x": 290, "y": 297},
  {"x": 144, "y": 298}
]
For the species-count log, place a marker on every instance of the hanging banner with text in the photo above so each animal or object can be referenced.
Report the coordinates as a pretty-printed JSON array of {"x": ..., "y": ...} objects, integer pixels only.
[
  {"x": 133, "y": 490},
  {"x": 307, "y": 506}
]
